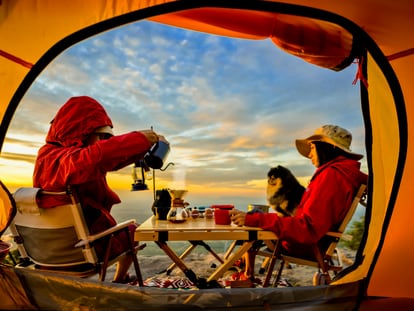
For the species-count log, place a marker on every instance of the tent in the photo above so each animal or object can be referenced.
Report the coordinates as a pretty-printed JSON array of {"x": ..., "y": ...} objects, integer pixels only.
[{"x": 331, "y": 34}]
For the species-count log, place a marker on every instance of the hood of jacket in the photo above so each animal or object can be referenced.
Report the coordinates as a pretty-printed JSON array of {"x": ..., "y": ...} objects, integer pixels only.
[
  {"x": 349, "y": 168},
  {"x": 76, "y": 120}
]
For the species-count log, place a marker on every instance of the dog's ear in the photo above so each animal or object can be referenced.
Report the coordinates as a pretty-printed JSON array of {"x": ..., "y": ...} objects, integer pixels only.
[
  {"x": 283, "y": 172},
  {"x": 279, "y": 171},
  {"x": 272, "y": 172}
]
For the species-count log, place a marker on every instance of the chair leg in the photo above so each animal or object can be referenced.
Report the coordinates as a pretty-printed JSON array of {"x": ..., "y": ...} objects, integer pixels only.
[
  {"x": 269, "y": 272},
  {"x": 320, "y": 278},
  {"x": 279, "y": 273},
  {"x": 137, "y": 269},
  {"x": 12, "y": 259},
  {"x": 265, "y": 265},
  {"x": 104, "y": 266},
  {"x": 271, "y": 264},
  {"x": 323, "y": 265},
  {"x": 132, "y": 252}
]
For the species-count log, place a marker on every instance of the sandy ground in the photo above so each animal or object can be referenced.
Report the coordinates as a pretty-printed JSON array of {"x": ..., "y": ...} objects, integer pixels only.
[{"x": 203, "y": 264}]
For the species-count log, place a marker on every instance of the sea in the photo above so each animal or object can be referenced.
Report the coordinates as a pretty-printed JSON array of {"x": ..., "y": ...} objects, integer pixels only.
[{"x": 137, "y": 205}]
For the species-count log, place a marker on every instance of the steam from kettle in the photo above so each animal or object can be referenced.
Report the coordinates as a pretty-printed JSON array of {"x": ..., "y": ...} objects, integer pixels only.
[{"x": 179, "y": 176}]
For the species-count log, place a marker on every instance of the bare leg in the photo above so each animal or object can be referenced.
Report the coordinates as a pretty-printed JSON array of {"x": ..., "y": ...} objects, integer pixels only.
[
  {"x": 249, "y": 258},
  {"x": 124, "y": 262},
  {"x": 122, "y": 268}
]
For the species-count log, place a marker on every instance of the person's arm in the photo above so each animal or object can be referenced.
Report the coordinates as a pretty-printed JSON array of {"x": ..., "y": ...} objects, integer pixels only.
[
  {"x": 79, "y": 165},
  {"x": 324, "y": 199},
  {"x": 122, "y": 150}
]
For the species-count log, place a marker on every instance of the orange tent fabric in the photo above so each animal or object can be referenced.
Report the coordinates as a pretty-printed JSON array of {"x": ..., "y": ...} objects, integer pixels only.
[{"x": 324, "y": 32}]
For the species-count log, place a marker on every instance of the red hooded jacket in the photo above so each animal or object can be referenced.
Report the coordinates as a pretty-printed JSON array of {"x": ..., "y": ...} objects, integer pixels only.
[
  {"x": 322, "y": 208},
  {"x": 65, "y": 160}
]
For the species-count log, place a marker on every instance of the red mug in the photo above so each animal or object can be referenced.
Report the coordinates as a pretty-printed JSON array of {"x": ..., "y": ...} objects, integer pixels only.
[{"x": 222, "y": 214}]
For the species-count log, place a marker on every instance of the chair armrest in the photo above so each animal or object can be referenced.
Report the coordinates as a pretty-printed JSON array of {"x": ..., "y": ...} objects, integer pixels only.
[
  {"x": 100, "y": 235},
  {"x": 334, "y": 234}
]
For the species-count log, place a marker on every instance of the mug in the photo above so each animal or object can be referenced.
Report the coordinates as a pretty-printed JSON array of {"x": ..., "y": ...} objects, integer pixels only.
[{"x": 222, "y": 214}]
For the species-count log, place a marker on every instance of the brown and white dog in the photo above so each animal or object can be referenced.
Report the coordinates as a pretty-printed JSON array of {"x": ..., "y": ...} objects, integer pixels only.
[{"x": 284, "y": 191}]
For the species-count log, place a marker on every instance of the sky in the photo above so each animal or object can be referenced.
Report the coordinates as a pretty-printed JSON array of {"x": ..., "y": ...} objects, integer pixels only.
[{"x": 230, "y": 108}]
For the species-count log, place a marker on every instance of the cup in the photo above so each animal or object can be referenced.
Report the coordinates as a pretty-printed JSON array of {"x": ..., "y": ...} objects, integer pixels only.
[
  {"x": 222, "y": 214},
  {"x": 222, "y": 217}
]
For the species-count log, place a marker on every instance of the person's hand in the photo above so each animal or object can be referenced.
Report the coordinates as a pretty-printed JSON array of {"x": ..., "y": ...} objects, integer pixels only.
[
  {"x": 162, "y": 138},
  {"x": 237, "y": 217},
  {"x": 153, "y": 137}
]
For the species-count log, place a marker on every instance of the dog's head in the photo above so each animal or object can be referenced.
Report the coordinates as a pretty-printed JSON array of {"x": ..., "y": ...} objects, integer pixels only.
[{"x": 282, "y": 186}]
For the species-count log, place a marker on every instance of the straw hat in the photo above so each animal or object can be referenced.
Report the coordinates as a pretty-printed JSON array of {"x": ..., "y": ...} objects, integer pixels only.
[{"x": 331, "y": 134}]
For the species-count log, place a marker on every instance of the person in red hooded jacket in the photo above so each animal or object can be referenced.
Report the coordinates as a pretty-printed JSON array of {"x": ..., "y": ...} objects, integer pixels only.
[
  {"x": 80, "y": 149},
  {"x": 326, "y": 200}
]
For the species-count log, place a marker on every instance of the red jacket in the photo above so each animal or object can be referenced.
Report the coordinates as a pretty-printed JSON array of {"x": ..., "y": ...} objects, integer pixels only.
[
  {"x": 64, "y": 160},
  {"x": 323, "y": 205}
]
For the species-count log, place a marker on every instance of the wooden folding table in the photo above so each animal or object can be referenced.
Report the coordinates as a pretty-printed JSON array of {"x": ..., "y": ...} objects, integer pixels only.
[{"x": 200, "y": 229}]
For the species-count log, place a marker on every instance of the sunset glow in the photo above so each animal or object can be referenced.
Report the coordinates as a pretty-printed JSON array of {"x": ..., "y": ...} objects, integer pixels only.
[{"x": 230, "y": 108}]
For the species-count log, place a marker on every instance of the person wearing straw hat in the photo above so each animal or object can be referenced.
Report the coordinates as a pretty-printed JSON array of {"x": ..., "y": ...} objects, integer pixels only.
[
  {"x": 326, "y": 199},
  {"x": 80, "y": 149}
]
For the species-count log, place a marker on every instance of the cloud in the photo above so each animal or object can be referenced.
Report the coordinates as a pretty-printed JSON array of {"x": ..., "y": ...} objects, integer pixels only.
[
  {"x": 231, "y": 108},
  {"x": 18, "y": 157}
]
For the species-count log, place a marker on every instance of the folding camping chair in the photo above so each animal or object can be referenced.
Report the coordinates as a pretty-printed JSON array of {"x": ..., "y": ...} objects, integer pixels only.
[
  {"x": 57, "y": 239},
  {"x": 325, "y": 261},
  {"x": 7, "y": 213}
]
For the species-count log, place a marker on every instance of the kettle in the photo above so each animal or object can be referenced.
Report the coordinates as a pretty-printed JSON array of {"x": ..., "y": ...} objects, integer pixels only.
[{"x": 157, "y": 154}]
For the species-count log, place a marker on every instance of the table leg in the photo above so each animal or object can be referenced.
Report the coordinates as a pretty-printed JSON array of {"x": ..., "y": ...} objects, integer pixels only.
[
  {"x": 230, "y": 249},
  {"x": 209, "y": 249},
  {"x": 230, "y": 261},
  {"x": 190, "y": 249},
  {"x": 182, "y": 256},
  {"x": 178, "y": 261}
]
